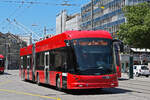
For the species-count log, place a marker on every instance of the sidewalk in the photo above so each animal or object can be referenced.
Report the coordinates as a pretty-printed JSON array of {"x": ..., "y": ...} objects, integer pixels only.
[{"x": 124, "y": 76}]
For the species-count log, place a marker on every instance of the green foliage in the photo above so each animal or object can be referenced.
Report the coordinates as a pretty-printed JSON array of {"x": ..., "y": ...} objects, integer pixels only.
[{"x": 136, "y": 32}]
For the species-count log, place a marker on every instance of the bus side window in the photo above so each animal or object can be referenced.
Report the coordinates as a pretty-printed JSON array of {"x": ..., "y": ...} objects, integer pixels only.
[
  {"x": 37, "y": 59},
  {"x": 42, "y": 59},
  {"x": 64, "y": 61},
  {"x": 46, "y": 60},
  {"x": 58, "y": 60},
  {"x": 51, "y": 60}
]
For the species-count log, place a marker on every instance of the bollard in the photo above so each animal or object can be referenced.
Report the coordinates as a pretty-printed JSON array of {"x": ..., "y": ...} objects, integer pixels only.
[{"x": 131, "y": 68}]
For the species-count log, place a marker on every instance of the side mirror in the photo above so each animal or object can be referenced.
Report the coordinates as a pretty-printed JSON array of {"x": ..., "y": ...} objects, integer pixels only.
[
  {"x": 119, "y": 44},
  {"x": 67, "y": 42}
]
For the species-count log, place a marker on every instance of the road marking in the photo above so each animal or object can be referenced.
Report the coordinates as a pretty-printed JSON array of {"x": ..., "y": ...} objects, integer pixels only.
[
  {"x": 5, "y": 82},
  {"x": 2, "y": 93},
  {"x": 24, "y": 93}
]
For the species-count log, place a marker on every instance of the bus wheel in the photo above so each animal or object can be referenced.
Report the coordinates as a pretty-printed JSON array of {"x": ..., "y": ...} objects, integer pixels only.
[
  {"x": 58, "y": 84},
  {"x": 38, "y": 80},
  {"x": 2, "y": 72},
  {"x": 137, "y": 74}
]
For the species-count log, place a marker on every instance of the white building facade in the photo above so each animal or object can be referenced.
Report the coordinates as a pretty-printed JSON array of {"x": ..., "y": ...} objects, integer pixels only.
[
  {"x": 73, "y": 23},
  {"x": 26, "y": 39},
  {"x": 66, "y": 22}
]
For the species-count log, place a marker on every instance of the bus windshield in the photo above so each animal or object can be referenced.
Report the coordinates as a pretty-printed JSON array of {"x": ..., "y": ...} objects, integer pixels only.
[
  {"x": 94, "y": 56},
  {"x": 1, "y": 62}
]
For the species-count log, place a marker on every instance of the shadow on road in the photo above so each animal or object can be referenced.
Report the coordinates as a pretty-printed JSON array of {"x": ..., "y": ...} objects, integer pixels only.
[
  {"x": 5, "y": 73},
  {"x": 87, "y": 91},
  {"x": 123, "y": 79},
  {"x": 97, "y": 91}
]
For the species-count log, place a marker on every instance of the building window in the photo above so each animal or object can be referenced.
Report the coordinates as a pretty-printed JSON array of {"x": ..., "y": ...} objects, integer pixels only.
[{"x": 40, "y": 59}]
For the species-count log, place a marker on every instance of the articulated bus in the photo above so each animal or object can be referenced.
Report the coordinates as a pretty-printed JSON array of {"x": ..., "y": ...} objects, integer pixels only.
[
  {"x": 1, "y": 64},
  {"x": 71, "y": 60}
]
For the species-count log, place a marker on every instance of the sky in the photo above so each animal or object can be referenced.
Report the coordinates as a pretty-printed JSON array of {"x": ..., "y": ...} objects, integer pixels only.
[{"x": 33, "y": 16}]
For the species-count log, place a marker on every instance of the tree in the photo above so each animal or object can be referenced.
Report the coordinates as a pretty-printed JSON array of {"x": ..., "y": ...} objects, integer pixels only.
[{"x": 136, "y": 31}]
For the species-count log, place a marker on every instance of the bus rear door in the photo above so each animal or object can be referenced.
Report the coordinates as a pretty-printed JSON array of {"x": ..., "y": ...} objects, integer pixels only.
[{"x": 46, "y": 69}]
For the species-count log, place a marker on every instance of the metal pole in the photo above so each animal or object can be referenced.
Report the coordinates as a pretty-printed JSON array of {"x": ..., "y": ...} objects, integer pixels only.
[
  {"x": 92, "y": 14},
  {"x": 30, "y": 38},
  {"x": 45, "y": 32},
  {"x": 61, "y": 22},
  {"x": 131, "y": 67},
  {"x": 6, "y": 54}
]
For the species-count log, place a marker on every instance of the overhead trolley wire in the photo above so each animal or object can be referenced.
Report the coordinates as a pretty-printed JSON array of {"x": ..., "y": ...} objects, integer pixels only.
[
  {"x": 10, "y": 15},
  {"x": 13, "y": 13},
  {"x": 65, "y": 3}
]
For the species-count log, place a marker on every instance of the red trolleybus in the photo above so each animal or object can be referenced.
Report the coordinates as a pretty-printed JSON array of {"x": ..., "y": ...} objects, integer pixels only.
[
  {"x": 26, "y": 63},
  {"x": 2, "y": 64},
  {"x": 71, "y": 60}
]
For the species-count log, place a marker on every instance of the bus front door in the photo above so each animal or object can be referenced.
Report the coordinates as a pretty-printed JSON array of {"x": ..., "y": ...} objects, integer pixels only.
[
  {"x": 21, "y": 69},
  {"x": 46, "y": 69},
  {"x": 28, "y": 67}
]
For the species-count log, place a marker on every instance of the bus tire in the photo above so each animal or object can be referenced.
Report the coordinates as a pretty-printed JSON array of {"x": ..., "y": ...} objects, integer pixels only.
[
  {"x": 58, "y": 84},
  {"x": 2, "y": 72},
  {"x": 137, "y": 74}
]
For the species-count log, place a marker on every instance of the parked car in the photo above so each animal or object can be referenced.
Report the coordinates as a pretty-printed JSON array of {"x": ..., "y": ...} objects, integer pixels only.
[{"x": 141, "y": 70}]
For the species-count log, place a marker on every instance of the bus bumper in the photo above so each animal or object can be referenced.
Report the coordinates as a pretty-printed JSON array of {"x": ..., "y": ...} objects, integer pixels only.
[{"x": 92, "y": 85}]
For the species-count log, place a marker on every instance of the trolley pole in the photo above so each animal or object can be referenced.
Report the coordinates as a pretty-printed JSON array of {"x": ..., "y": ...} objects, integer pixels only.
[
  {"x": 92, "y": 14},
  {"x": 45, "y": 30}
]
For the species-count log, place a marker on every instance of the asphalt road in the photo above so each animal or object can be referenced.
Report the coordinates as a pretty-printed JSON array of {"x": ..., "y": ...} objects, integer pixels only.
[{"x": 12, "y": 88}]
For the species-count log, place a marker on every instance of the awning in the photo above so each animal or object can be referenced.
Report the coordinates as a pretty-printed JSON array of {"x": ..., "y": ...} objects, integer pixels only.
[{"x": 140, "y": 50}]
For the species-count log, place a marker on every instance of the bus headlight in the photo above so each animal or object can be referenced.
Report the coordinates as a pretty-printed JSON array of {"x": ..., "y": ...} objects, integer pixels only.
[
  {"x": 80, "y": 85},
  {"x": 112, "y": 84}
]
